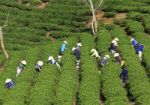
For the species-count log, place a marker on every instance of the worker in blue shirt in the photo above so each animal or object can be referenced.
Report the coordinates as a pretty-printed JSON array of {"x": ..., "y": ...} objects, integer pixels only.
[
  {"x": 124, "y": 75},
  {"x": 77, "y": 53},
  {"x": 104, "y": 61},
  {"x": 112, "y": 48},
  {"x": 63, "y": 47},
  {"x": 9, "y": 83},
  {"x": 134, "y": 43},
  {"x": 140, "y": 50}
]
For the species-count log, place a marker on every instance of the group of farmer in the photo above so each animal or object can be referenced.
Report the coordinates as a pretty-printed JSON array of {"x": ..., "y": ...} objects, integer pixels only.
[
  {"x": 76, "y": 51},
  {"x": 9, "y": 83}
]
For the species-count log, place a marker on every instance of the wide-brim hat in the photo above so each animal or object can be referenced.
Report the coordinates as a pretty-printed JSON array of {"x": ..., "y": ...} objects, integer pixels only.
[
  {"x": 65, "y": 41},
  {"x": 107, "y": 56},
  {"x": 116, "y": 54},
  {"x": 116, "y": 39},
  {"x": 79, "y": 44},
  {"x": 24, "y": 62},
  {"x": 8, "y": 80},
  {"x": 40, "y": 63},
  {"x": 73, "y": 48},
  {"x": 50, "y": 58},
  {"x": 131, "y": 39},
  {"x": 93, "y": 50}
]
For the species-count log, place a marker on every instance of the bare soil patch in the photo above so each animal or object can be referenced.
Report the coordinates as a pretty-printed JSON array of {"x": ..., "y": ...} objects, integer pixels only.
[{"x": 42, "y": 5}]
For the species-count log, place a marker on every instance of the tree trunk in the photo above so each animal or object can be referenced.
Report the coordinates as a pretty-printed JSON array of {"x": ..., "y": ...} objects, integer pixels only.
[
  {"x": 2, "y": 43},
  {"x": 100, "y": 3},
  {"x": 94, "y": 22}
]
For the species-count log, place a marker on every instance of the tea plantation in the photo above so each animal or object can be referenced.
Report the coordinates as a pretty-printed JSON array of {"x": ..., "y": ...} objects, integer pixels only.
[{"x": 35, "y": 30}]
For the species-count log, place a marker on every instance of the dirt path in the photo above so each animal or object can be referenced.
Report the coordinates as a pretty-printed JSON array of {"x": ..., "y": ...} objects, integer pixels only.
[
  {"x": 100, "y": 17},
  {"x": 2, "y": 64},
  {"x": 48, "y": 35},
  {"x": 120, "y": 16},
  {"x": 42, "y": 5}
]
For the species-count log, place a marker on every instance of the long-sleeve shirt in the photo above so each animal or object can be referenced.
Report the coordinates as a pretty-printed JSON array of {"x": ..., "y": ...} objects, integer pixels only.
[
  {"x": 104, "y": 61},
  {"x": 37, "y": 67},
  {"x": 9, "y": 84},
  {"x": 140, "y": 48},
  {"x": 112, "y": 47},
  {"x": 52, "y": 61},
  {"x": 95, "y": 53},
  {"x": 124, "y": 74},
  {"x": 134, "y": 43},
  {"x": 21, "y": 66},
  {"x": 63, "y": 47},
  {"x": 77, "y": 53}
]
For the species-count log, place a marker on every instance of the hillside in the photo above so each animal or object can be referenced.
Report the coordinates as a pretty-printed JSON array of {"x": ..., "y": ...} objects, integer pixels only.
[{"x": 35, "y": 29}]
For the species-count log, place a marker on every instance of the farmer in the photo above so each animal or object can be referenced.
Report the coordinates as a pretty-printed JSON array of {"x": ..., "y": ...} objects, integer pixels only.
[
  {"x": 38, "y": 66},
  {"x": 113, "y": 45},
  {"x": 51, "y": 60},
  {"x": 77, "y": 53},
  {"x": 134, "y": 43},
  {"x": 62, "y": 50},
  {"x": 124, "y": 75},
  {"x": 113, "y": 48},
  {"x": 21, "y": 67},
  {"x": 9, "y": 83},
  {"x": 140, "y": 50},
  {"x": 115, "y": 41},
  {"x": 95, "y": 53},
  {"x": 105, "y": 60},
  {"x": 118, "y": 58}
]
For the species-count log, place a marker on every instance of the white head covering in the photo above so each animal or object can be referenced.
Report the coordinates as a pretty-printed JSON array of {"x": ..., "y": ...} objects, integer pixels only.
[
  {"x": 93, "y": 50},
  {"x": 131, "y": 39},
  {"x": 65, "y": 41},
  {"x": 40, "y": 63},
  {"x": 116, "y": 54},
  {"x": 73, "y": 48},
  {"x": 107, "y": 56},
  {"x": 50, "y": 58},
  {"x": 8, "y": 80},
  {"x": 116, "y": 39},
  {"x": 24, "y": 62},
  {"x": 79, "y": 44}
]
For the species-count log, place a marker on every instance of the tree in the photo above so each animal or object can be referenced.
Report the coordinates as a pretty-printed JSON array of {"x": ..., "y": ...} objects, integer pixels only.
[
  {"x": 1, "y": 39},
  {"x": 94, "y": 6}
]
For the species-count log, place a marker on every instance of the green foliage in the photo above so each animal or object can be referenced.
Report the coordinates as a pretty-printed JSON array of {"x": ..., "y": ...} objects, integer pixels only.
[
  {"x": 112, "y": 88},
  {"x": 134, "y": 26},
  {"x": 67, "y": 86},
  {"x": 146, "y": 23},
  {"x": 103, "y": 40},
  {"x": 90, "y": 83},
  {"x": 134, "y": 15},
  {"x": 135, "y": 71}
]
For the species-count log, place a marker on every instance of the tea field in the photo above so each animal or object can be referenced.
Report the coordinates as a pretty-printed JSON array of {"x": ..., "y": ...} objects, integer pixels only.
[{"x": 35, "y": 29}]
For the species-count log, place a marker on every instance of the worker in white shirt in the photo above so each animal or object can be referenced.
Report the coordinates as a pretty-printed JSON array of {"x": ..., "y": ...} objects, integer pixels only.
[
  {"x": 95, "y": 53},
  {"x": 21, "y": 67},
  {"x": 38, "y": 66},
  {"x": 51, "y": 60}
]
